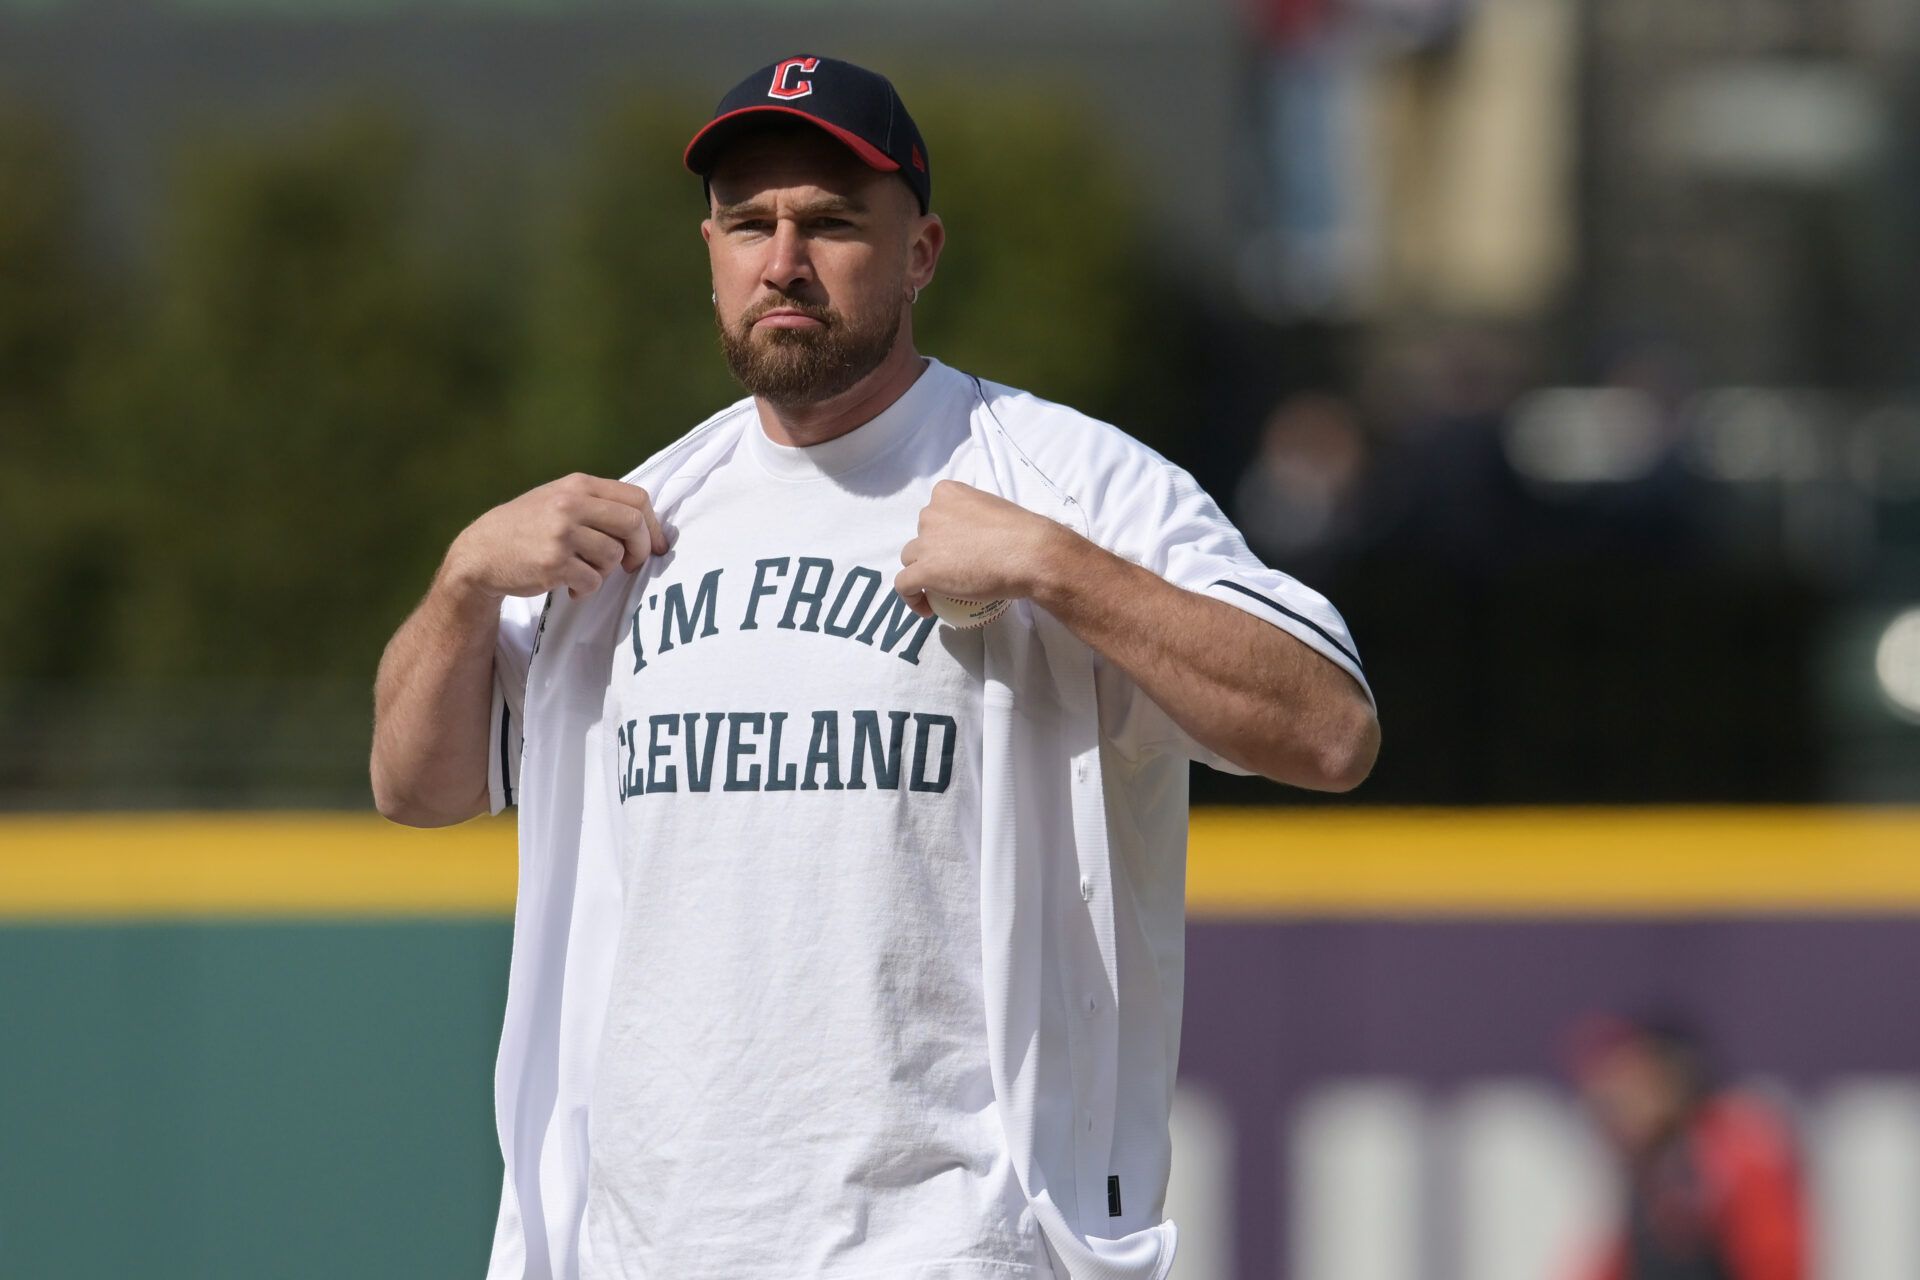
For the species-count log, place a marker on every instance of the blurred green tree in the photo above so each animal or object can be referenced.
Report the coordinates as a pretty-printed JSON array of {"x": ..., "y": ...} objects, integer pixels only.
[
  {"x": 230, "y": 476},
  {"x": 301, "y": 414},
  {"x": 1046, "y": 283},
  {"x": 48, "y": 499},
  {"x": 623, "y": 359}
]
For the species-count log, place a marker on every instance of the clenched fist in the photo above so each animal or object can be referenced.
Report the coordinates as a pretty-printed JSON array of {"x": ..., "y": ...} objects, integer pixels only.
[
  {"x": 976, "y": 546},
  {"x": 573, "y": 532}
]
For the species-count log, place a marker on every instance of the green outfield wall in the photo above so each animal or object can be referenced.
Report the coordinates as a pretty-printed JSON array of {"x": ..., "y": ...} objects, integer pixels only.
[
  {"x": 260, "y": 1046},
  {"x": 286, "y": 1099}
]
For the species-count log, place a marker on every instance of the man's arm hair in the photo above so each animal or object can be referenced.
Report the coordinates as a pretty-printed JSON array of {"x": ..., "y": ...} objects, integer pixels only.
[
  {"x": 1240, "y": 686},
  {"x": 433, "y": 697},
  {"x": 432, "y": 701}
]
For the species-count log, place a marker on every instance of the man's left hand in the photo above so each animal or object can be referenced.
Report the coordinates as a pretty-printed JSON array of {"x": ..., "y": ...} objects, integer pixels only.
[{"x": 975, "y": 546}]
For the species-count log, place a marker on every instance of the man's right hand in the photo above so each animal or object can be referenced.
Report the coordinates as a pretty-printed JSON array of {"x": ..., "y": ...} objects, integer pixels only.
[{"x": 573, "y": 532}]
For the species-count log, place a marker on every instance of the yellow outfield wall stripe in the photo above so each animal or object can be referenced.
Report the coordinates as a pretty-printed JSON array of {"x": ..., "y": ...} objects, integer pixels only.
[
  {"x": 1249, "y": 863},
  {"x": 192, "y": 865},
  {"x": 1562, "y": 862}
]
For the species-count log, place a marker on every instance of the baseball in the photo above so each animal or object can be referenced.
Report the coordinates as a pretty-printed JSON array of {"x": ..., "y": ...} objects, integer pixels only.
[{"x": 965, "y": 613}]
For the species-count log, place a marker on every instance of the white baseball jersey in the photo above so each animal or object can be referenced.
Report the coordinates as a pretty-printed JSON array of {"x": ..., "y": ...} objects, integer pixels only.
[{"x": 766, "y": 1022}]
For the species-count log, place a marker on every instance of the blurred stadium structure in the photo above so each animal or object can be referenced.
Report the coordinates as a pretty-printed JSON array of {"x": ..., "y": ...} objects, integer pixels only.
[
  {"x": 1569, "y": 345},
  {"x": 1609, "y": 308}
]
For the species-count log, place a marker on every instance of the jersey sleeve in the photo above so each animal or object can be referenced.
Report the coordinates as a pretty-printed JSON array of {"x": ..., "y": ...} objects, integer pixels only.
[
  {"x": 512, "y": 652},
  {"x": 1156, "y": 515}
]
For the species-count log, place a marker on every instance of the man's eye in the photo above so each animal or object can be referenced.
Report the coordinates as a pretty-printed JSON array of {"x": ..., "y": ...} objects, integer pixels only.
[
  {"x": 831, "y": 224},
  {"x": 755, "y": 225}
]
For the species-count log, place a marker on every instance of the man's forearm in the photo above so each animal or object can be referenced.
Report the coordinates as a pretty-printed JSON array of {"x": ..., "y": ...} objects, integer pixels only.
[
  {"x": 1240, "y": 686},
  {"x": 432, "y": 704},
  {"x": 434, "y": 694}
]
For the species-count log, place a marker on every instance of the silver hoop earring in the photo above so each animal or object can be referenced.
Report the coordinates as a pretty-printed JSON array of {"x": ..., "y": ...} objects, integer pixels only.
[
  {"x": 913, "y": 294},
  {"x": 716, "y": 298}
]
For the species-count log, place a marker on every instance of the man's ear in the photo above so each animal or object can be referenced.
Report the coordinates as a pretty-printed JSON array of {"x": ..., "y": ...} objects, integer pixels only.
[
  {"x": 923, "y": 252},
  {"x": 706, "y": 230}
]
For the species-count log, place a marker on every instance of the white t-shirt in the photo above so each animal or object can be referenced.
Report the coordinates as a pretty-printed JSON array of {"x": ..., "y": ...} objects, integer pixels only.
[
  {"x": 762, "y": 1199},
  {"x": 793, "y": 1080}
]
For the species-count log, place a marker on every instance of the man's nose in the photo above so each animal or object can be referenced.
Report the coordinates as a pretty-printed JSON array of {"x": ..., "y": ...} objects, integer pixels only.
[{"x": 788, "y": 267}]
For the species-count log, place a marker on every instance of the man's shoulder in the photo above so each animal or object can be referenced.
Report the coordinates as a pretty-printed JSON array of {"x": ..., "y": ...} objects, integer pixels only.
[
  {"x": 1071, "y": 446},
  {"x": 670, "y": 455},
  {"x": 1105, "y": 468}
]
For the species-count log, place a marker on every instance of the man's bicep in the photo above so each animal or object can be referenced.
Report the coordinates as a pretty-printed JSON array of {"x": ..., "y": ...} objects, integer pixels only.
[
  {"x": 1157, "y": 516},
  {"x": 1289, "y": 606},
  {"x": 1162, "y": 519}
]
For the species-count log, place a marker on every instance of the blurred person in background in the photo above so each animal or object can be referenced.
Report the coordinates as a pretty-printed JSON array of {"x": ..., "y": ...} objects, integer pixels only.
[
  {"x": 1300, "y": 502},
  {"x": 1447, "y": 496},
  {"x": 1713, "y": 1186},
  {"x": 1640, "y": 500}
]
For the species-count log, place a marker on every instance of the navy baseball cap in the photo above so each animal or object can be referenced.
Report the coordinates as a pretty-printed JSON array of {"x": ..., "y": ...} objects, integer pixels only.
[{"x": 859, "y": 107}]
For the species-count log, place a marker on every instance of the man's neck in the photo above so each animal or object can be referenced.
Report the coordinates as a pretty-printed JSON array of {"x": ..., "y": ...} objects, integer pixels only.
[{"x": 865, "y": 400}]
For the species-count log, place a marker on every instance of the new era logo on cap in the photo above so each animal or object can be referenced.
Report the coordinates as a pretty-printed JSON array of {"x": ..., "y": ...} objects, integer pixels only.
[{"x": 859, "y": 107}]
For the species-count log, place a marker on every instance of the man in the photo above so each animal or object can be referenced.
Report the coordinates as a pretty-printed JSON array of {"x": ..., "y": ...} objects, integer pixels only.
[
  {"x": 1713, "y": 1182},
  {"x": 848, "y": 943}
]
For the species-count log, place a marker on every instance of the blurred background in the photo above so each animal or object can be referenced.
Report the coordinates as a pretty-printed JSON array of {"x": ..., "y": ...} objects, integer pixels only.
[{"x": 1568, "y": 345}]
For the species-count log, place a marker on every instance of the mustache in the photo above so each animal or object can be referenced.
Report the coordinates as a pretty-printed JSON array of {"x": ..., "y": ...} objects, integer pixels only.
[{"x": 825, "y": 315}]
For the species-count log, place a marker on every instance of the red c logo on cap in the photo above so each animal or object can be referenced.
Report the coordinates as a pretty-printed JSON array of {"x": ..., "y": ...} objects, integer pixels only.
[{"x": 783, "y": 73}]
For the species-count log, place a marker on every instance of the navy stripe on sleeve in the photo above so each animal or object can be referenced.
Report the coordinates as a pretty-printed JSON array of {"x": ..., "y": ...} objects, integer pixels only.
[
  {"x": 1275, "y": 605},
  {"x": 506, "y": 777}
]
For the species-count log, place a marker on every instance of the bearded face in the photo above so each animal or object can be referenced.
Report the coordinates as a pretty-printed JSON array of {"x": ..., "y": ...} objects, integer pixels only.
[{"x": 804, "y": 366}]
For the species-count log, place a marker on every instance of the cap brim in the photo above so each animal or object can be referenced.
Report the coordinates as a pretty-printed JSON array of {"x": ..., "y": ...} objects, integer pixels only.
[{"x": 706, "y": 144}]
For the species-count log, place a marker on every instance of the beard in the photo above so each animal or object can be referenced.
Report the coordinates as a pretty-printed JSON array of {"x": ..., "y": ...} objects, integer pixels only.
[{"x": 805, "y": 366}]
